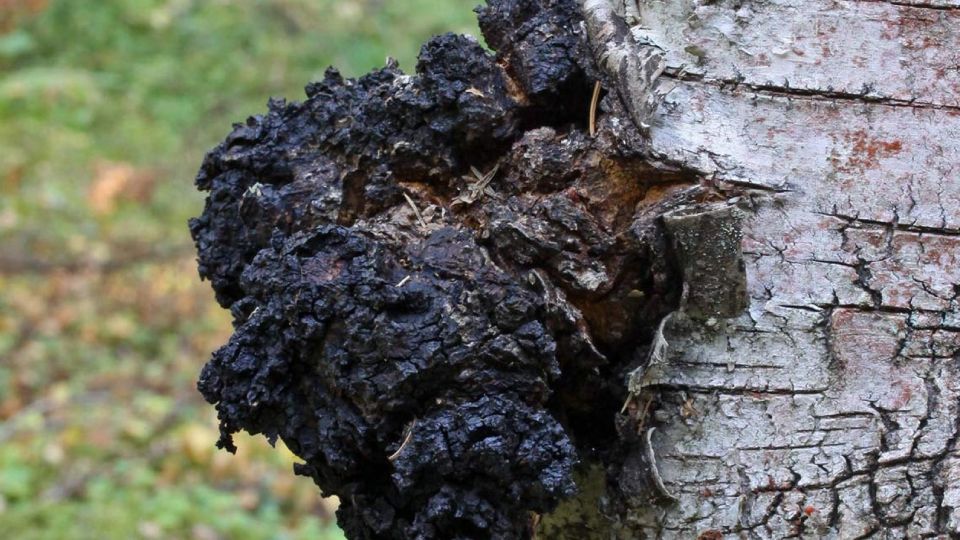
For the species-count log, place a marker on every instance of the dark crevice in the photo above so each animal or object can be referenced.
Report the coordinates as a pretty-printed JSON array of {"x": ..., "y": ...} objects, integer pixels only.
[
  {"x": 866, "y": 97},
  {"x": 916, "y": 5},
  {"x": 895, "y": 226}
]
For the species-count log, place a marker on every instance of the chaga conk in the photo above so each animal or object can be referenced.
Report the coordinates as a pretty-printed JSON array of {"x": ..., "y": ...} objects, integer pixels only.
[{"x": 439, "y": 282}]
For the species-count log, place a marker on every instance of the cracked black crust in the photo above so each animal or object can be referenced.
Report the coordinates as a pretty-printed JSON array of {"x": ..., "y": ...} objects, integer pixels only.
[
  {"x": 339, "y": 362},
  {"x": 352, "y": 139},
  {"x": 408, "y": 371},
  {"x": 540, "y": 42},
  {"x": 443, "y": 379}
]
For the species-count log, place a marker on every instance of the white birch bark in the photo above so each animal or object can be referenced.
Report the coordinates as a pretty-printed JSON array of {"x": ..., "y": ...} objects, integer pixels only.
[{"x": 829, "y": 409}]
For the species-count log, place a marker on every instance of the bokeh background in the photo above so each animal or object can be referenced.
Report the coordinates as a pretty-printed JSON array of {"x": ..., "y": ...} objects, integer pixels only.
[{"x": 106, "y": 109}]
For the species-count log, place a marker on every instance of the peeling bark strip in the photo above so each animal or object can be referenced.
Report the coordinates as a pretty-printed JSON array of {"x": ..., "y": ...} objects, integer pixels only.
[
  {"x": 633, "y": 66},
  {"x": 707, "y": 241}
]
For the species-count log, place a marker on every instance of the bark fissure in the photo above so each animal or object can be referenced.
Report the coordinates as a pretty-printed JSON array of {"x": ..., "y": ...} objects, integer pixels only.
[
  {"x": 941, "y": 6},
  {"x": 866, "y": 96}
]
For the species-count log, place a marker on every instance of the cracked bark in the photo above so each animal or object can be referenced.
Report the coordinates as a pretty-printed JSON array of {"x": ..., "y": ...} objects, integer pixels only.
[
  {"x": 830, "y": 408},
  {"x": 732, "y": 313}
]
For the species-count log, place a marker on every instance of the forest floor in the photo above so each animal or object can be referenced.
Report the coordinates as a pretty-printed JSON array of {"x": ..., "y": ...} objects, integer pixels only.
[{"x": 106, "y": 109}]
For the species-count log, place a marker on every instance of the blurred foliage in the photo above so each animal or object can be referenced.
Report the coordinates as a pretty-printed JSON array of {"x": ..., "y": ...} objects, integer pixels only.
[{"x": 106, "y": 109}]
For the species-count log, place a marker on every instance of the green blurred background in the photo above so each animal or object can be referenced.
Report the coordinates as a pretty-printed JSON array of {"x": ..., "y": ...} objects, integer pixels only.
[{"x": 106, "y": 109}]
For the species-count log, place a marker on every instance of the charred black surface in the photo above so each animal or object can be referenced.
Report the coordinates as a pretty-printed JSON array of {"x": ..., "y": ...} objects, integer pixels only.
[
  {"x": 440, "y": 350},
  {"x": 541, "y": 45}
]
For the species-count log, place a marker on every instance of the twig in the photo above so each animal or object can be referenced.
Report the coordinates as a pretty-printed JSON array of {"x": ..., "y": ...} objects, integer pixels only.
[
  {"x": 415, "y": 210},
  {"x": 594, "y": 101},
  {"x": 402, "y": 282},
  {"x": 642, "y": 418},
  {"x": 626, "y": 403}
]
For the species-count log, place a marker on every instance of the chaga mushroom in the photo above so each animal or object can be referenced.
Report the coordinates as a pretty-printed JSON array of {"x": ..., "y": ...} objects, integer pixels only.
[{"x": 440, "y": 282}]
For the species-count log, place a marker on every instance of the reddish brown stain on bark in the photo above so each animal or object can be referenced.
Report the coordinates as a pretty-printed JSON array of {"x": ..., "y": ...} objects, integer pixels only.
[
  {"x": 843, "y": 317},
  {"x": 866, "y": 339},
  {"x": 904, "y": 397},
  {"x": 920, "y": 32},
  {"x": 865, "y": 152}
]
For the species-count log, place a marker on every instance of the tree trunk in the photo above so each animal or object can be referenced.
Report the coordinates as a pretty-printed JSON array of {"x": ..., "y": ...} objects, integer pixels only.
[
  {"x": 830, "y": 408},
  {"x": 721, "y": 304}
]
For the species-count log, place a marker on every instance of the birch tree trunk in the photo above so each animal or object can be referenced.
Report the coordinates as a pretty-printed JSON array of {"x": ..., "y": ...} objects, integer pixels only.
[{"x": 829, "y": 409}]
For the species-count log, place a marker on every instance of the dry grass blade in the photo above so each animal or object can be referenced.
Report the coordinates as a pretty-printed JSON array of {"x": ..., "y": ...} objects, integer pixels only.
[
  {"x": 478, "y": 188},
  {"x": 416, "y": 210},
  {"x": 594, "y": 101},
  {"x": 493, "y": 172},
  {"x": 406, "y": 440}
]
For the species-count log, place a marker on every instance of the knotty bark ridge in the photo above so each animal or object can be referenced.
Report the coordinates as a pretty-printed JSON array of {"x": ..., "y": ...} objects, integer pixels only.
[{"x": 731, "y": 312}]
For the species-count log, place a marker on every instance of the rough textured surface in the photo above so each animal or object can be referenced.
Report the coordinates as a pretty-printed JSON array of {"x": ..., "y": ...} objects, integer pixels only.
[
  {"x": 830, "y": 410},
  {"x": 442, "y": 282},
  {"x": 707, "y": 246},
  {"x": 439, "y": 282}
]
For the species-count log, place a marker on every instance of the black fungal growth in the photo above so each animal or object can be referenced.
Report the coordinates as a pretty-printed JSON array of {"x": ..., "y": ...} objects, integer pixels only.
[{"x": 440, "y": 351}]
